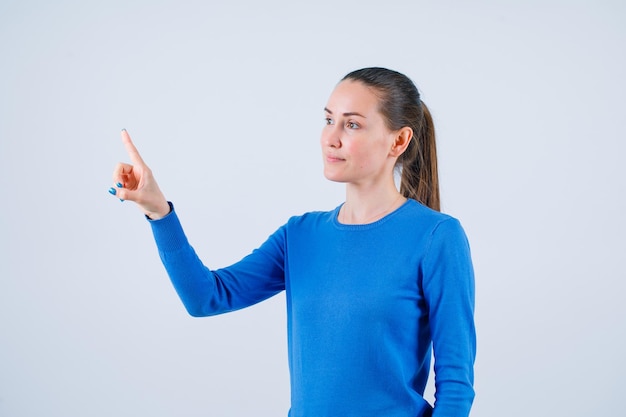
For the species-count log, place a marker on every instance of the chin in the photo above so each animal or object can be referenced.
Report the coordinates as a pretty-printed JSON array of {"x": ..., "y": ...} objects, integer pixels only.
[{"x": 334, "y": 178}]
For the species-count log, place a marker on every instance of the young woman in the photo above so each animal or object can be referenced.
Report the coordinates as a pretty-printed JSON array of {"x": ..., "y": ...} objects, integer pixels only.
[{"x": 373, "y": 286}]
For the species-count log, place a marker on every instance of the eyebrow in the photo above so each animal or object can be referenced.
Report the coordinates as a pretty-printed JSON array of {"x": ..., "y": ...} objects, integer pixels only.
[{"x": 352, "y": 113}]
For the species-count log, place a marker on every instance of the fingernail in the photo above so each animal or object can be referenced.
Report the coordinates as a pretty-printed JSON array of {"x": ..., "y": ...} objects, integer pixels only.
[
  {"x": 119, "y": 185},
  {"x": 121, "y": 200},
  {"x": 113, "y": 191},
  {"x": 123, "y": 130}
]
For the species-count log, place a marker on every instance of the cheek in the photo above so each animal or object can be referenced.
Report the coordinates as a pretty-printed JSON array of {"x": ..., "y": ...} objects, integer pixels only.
[
  {"x": 373, "y": 156},
  {"x": 351, "y": 148},
  {"x": 361, "y": 155}
]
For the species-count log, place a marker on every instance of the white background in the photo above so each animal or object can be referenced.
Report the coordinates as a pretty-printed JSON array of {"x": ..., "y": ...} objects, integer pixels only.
[{"x": 225, "y": 103}]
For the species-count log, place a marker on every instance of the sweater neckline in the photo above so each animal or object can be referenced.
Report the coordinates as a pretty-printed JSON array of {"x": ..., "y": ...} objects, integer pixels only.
[{"x": 365, "y": 226}]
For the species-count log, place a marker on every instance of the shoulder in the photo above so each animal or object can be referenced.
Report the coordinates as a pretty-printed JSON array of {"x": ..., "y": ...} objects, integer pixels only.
[
  {"x": 416, "y": 221},
  {"x": 416, "y": 213},
  {"x": 312, "y": 218}
]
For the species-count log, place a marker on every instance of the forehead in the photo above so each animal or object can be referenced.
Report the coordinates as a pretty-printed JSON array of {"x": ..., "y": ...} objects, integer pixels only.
[{"x": 353, "y": 96}]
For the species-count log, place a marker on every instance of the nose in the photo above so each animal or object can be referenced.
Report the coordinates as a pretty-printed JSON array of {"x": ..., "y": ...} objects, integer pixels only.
[{"x": 331, "y": 136}]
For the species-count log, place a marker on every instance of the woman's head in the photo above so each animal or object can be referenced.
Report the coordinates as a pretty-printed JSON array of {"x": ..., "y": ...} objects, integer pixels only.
[
  {"x": 358, "y": 147},
  {"x": 400, "y": 105}
]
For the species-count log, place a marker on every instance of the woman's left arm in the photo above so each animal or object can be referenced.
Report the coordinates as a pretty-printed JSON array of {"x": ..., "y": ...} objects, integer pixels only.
[{"x": 448, "y": 284}]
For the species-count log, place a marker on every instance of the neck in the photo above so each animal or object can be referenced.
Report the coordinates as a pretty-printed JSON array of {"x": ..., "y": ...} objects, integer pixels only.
[{"x": 367, "y": 205}]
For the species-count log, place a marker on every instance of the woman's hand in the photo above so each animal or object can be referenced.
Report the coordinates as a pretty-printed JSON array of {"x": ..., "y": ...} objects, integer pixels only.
[{"x": 136, "y": 183}]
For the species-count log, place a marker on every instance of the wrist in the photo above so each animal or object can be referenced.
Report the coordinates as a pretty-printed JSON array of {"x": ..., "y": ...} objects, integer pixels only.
[{"x": 164, "y": 209}]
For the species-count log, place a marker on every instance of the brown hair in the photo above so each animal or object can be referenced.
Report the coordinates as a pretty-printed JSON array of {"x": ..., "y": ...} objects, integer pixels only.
[{"x": 400, "y": 105}]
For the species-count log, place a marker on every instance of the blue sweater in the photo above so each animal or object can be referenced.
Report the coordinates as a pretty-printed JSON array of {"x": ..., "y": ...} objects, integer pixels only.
[{"x": 365, "y": 306}]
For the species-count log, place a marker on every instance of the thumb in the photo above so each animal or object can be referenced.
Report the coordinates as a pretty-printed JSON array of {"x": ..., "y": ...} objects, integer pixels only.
[
  {"x": 126, "y": 194},
  {"x": 123, "y": 193}
]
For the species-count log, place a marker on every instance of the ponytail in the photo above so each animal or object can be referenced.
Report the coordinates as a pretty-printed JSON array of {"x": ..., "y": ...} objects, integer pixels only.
[
  {"x": 419, "y": 179},
  {"x": 400, "y": 105}
]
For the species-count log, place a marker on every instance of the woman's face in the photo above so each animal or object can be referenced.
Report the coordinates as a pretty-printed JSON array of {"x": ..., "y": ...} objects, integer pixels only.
[{"x": 356, "y": 143}]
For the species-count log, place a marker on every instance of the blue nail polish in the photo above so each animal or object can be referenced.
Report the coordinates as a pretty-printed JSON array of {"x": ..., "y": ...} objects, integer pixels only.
[
  {"x": 119, "y": 185},
  {"x": 112, "y": 191},
  {"x": 121, "y": 200}
]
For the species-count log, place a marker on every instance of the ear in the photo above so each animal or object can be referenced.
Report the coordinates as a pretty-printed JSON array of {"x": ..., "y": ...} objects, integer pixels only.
[{"x": 402, "y": 138}]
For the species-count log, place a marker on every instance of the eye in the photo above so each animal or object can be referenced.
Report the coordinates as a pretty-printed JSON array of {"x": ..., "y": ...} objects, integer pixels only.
[
  {"x": 329, "y": 121},
  {"x": 352, "y": 125}
]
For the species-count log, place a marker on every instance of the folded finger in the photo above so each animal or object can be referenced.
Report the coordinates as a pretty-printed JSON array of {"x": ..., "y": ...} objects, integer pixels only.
[
  {"x": 121, "y": 171},
  {"x": 124, "y": 175}
]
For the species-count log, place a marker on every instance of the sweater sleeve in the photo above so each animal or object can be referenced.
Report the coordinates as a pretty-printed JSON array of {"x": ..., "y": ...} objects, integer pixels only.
[
  {"x": 448, "y": 284},
  {"x": 206, "y": 292}
]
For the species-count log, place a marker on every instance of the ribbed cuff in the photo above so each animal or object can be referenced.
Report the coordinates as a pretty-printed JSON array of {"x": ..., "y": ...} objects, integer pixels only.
[{"x": 168, "y": 232}]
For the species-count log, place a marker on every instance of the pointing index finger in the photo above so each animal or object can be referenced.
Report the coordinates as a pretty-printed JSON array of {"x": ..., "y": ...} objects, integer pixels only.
[{"x": 135, "y": 158}]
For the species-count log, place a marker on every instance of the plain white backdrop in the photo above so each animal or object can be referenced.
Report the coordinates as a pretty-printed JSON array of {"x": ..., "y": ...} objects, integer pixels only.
[{"x": 225, "y": 103}]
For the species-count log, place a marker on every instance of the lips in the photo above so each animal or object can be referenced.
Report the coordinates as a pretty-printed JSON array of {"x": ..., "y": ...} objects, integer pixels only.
[{"x": 334, "y": 158}]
